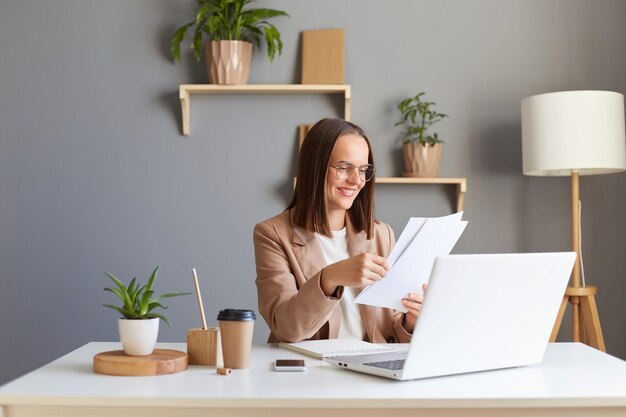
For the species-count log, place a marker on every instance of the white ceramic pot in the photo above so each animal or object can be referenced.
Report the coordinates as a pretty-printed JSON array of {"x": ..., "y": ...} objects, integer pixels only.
[{"x": 138, "y": 337}]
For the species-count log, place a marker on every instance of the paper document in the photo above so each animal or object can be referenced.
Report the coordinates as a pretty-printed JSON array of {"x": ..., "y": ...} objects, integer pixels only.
[{"x": 411, "y": 260}]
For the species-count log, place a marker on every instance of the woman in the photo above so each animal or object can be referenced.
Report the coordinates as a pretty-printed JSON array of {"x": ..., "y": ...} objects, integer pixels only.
[{"x": 316, "y": 256}]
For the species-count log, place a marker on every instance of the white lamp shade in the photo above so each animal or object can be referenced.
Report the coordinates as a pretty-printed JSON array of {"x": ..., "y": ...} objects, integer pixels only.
[{"x": 573, "y": 131}]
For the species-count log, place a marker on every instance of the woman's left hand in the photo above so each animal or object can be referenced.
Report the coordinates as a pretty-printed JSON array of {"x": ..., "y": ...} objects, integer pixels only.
[{"x": 413, "y": 303}]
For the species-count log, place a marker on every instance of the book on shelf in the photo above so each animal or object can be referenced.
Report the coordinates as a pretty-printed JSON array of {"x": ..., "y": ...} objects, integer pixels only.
[{"x": 323, "y": 56}]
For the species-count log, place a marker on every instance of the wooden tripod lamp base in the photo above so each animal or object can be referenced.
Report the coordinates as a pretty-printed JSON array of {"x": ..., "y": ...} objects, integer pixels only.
[
  {"x": 585, "y": 315},
  {"x": 585, "y": 312}
]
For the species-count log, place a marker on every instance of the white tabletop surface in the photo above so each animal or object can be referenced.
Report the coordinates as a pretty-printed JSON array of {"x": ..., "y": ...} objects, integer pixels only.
[{"x": 572, "y": 375}]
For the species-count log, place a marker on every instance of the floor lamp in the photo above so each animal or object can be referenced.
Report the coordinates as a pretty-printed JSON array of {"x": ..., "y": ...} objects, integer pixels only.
[{"x": 575, "y": 133}]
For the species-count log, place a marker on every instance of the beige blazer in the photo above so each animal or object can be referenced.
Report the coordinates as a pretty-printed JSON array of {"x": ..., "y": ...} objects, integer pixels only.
[{"x": 289, "y": 260}]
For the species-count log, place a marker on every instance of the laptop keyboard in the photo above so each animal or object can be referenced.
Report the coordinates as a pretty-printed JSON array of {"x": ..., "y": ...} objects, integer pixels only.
[{"x": 391, "y": 365}]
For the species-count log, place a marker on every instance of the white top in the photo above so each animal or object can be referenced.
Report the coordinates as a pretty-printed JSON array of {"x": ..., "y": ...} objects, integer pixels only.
[
  {"x": 335, "y": 249},
  {"x": 572, "y": 376}
]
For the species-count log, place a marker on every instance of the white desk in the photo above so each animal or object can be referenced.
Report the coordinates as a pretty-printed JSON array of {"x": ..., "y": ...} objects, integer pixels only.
[{"x": 574, "y": 380}]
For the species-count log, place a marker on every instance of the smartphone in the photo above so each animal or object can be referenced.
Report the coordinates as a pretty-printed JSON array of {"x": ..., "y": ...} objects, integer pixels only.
[{"x": 289, "y": 365}]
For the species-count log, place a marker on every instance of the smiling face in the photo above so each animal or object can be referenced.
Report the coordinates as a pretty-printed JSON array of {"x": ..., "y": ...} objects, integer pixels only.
[{"x": 350, "y": 149}]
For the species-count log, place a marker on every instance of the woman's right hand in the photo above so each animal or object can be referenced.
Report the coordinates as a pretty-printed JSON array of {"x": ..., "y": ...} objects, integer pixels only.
[{"x": 357, "y": 271}]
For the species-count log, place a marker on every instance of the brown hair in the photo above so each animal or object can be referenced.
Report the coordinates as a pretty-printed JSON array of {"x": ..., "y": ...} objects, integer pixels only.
[{"x": 309, "y": 197}]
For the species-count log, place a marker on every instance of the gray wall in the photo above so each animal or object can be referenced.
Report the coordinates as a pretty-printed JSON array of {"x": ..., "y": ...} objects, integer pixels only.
[{"x": 95, "y": 175}]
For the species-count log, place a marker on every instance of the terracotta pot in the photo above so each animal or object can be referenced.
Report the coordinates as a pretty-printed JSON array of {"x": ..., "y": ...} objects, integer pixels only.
[
  {"x": 138, "y": 337},
  {"x": 228, "y": 62},
  {"x": 421, "y": 161}
]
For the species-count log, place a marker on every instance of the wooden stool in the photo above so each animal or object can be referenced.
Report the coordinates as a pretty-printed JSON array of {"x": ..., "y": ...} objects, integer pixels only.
[{"x": 585, "y": 311}]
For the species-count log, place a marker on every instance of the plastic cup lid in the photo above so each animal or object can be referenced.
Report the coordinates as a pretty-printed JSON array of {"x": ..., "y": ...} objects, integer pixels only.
[{"x": 236, "y": 315}]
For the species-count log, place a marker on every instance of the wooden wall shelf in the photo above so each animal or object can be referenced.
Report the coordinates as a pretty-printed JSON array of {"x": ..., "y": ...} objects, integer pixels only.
[
  {"x": 185, "y": 90},
  {"x": 461, "y": 185}
]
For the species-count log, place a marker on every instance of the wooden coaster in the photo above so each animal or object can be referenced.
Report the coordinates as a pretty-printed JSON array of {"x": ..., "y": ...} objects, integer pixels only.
[{"x": 160, "y": 362}]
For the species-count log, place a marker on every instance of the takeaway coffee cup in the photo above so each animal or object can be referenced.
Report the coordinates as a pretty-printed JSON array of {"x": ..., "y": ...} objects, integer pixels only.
[{"x": 236, "y": 327}]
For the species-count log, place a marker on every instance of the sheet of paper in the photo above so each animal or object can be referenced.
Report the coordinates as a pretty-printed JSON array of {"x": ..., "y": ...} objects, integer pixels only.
[
  {"x": 411, "y": 230},
  {"x": 412, "y": 266}
]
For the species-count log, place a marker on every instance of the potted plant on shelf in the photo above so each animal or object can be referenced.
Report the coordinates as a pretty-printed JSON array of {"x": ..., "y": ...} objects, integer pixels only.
[
  {"x": 230, "y": 30},
  {"x": 422, "y": 151},
  {"x": 139, "y": 325}
]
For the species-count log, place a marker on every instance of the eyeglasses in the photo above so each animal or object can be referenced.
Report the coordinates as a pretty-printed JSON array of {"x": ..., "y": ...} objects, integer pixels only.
[{"x": 345, "y": 171}]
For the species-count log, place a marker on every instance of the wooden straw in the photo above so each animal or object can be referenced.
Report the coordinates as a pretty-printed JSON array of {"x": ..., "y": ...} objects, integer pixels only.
[{"x": 195, "y": 281}]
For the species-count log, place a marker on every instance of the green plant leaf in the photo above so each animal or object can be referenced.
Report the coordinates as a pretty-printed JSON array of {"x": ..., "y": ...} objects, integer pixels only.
[
  {"x": 116, "y": 308},
  {"x": 272, "y": 38},
  {"x": 152, "y": 278},
  {"x": 177, "y": 38},
  {"x": 116, "y": 291},
  {"x": 252, "y": 16},
  {"x": 197, "y": 42},
  {"x": 123, "y": 295},
  {"x": 206, "y": 9},
  {"x": 144, "y": 303},
  {"x": 116, "y": 281},
  {"x": 132, "y": 287},
  {"x": 154, "y": 304},
  {"x": 173, "y": 294}
]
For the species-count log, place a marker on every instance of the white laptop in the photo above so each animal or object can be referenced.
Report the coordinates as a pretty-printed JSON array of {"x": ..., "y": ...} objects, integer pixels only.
[{"x": 480, "y": 312}]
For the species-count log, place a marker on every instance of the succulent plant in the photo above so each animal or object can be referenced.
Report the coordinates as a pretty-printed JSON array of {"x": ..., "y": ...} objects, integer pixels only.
[{"x": 138, "y": 302}]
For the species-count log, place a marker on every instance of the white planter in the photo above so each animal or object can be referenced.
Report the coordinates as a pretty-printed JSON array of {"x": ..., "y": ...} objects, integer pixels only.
[{"x": 138, "y": 337}]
